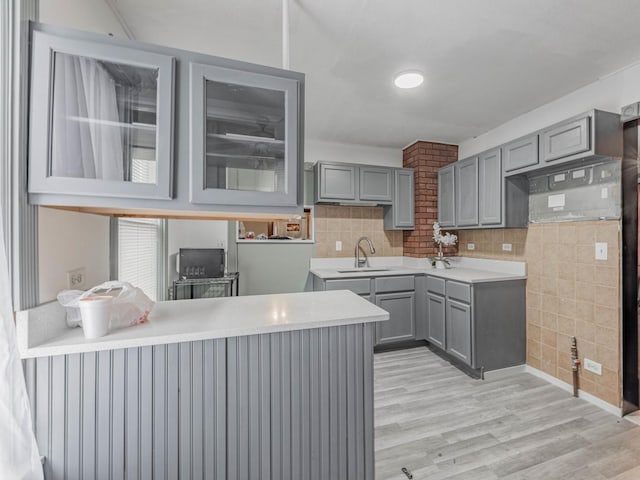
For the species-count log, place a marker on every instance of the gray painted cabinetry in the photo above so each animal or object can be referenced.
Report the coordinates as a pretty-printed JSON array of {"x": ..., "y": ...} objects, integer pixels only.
[
  {"x": 376, "y": 184},
  {"x": 393, "y": 188},
  {"x": 521, "y": 153},
  {"x": 447, "y": 196},
  {"x": 490, "y": 188},
  {"x": 481, "y": 192},
  {"x": 290, "y": 405},
  {"x": 395, "y": 294},
  {"x": 480, "y": 324},
  {"x": 466, "y": 188},
  {"x": 336, "y": 182},
  {"x": 401, "y": 214},
  {"x": 179, "y": 131},
  {"x": 586, "y": 137}
]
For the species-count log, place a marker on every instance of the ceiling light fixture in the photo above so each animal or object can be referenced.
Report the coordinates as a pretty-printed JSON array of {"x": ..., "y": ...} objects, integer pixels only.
[{"x": 411, "y": 79}]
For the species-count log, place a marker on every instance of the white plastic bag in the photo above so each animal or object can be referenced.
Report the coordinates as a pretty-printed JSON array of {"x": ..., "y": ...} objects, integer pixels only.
[{"x": 130, "y": 304}]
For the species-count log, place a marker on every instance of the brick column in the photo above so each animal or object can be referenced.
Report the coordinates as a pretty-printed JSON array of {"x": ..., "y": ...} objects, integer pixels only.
[{"x": 426, "y": 158}]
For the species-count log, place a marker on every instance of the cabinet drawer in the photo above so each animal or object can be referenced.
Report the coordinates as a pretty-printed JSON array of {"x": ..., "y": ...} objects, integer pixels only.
[
  {"x": 566, "y": 139},
  {"x": 459, "y": 291},
  {"x": 395, "y": 284},
  {"x": 361, "y": 286},
  {"x": 436, "y": 285}
]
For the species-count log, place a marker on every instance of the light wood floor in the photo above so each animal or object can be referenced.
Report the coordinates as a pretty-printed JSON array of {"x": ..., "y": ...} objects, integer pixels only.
[{"x": 439, "y": 423}]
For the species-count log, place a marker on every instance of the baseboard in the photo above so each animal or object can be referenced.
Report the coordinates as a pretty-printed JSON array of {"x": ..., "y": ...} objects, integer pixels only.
[
  {"x": 504, "y": 372},
  {"x": 598, "y": 402}
]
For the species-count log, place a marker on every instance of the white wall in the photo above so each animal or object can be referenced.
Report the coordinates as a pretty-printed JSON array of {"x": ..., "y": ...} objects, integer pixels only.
[
  {"x": 194, "y": 234},
  {"x": 610, "y": 93},
  {"x": 67, "y": 241},
  {"x": 316, "y": 150},
  {"x": 89, "y": 15}
]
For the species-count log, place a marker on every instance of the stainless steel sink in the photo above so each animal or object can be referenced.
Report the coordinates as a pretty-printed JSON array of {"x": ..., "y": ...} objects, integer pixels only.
[{"x": 364, "y": 270}]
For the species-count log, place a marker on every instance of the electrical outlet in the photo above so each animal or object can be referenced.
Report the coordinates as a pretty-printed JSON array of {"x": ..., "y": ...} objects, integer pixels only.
[
  {"x": 471, "y": 246},
  {"x": 601, "y": 251},
  {"x": 76, "y": 278},
  {"x": 507, "y": 247},
  {"x": 338, "y": 246},
  {"x": 593, "y": 367}
]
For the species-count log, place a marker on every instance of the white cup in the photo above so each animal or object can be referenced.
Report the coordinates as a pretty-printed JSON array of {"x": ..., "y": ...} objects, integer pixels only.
[{"x": 96, "y": 314}]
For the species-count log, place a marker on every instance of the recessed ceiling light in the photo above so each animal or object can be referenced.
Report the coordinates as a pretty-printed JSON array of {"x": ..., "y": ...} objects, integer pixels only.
[{"x": 411, "y": 79}]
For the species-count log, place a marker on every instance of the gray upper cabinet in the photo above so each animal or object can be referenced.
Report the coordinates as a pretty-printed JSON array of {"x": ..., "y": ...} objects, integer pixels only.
[
  {"x": 244, "y": 143},
  {"x": 356, "y": 184},
  {"x": 376, "y": 184},
  {"x": 336, "y": 182},
  {"x": 124, "y": 127},
  {"x": 101, "y": 119},
  {"x": 446, "y": 196},
  {"x": 521, "y": 153},
  {"x": 566, "y": 139},
  {"x": 401, "y": 214},
  {"x": 490, "y": 187},
  {"x": 467, "y": 192}
]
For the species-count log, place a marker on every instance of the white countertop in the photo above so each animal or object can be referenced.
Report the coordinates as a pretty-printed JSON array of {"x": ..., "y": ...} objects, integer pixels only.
[
  {"x": 42, "y": 331},
  {"x": 463, "y": 269}
]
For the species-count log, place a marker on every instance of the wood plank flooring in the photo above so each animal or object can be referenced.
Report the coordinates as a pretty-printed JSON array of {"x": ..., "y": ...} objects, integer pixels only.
[{"x": 441, "y": 424}]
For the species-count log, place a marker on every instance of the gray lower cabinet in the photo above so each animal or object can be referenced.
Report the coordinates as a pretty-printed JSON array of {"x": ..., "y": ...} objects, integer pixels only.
[
  {"x": 436, "y": 314},
  {"x": 466, "y": 192},
  {"x": 296, "y": 405},
  {"x": 402, "y": 322},
  {"x": 458, "y": 330},
  {"x": 481, "y": 324},
  {"x": 395, "y": 294},
  {"x": 400, "y": 215},
  {"x": 447, "y": 196}
]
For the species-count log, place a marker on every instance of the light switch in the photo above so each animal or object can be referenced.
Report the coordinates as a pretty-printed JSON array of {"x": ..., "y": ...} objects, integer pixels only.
[
  {"x": 507, "y": 247},
  {"x": 601, "y": 251},
  {"x": 338, "y": 246},
  {"x": 471, "y": 246}
]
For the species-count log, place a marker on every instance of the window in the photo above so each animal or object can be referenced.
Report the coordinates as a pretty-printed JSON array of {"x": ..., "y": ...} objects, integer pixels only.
[{"x": 138, "y": 254}]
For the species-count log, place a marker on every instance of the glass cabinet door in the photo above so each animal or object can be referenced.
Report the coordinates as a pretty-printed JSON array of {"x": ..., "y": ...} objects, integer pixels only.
[
  {"x": 101, "y": 120},
  {"x": 244, "y": 145}
]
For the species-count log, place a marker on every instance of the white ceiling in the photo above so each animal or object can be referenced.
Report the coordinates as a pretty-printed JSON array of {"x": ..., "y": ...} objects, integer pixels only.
[{"x": 485, "y": 62}]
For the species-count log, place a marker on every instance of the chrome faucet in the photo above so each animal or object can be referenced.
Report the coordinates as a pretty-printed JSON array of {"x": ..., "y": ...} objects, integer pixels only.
[{"x": 363, "y": 262}]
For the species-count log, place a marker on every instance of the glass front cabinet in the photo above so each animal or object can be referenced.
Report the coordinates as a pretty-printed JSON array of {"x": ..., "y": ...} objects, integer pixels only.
[
  {"x": 244, "y": 137},
  {"x": 101, "y": 121},
  {"x": 120, "y": 124}
]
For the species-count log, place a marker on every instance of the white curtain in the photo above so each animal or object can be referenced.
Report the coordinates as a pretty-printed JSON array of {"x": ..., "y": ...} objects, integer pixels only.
[
  {"x": 19, "y": 458},
  {"x": 86, "y": 138}
]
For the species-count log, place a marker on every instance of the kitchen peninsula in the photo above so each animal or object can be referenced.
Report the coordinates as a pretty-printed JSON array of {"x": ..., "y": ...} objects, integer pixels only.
[{"x": 271, "y": 385}]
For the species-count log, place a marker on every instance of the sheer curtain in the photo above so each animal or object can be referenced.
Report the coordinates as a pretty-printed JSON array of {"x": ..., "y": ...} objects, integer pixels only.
[
  {"x": 19, "y": 458},
  {"x": 87, "y": 138}
]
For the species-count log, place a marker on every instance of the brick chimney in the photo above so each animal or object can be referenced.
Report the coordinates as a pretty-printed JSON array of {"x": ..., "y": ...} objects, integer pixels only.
[{"x": 426, "y": 158}]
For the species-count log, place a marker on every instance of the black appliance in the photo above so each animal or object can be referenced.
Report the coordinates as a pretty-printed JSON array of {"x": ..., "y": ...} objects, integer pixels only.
[{"x": 201, "y": 263}]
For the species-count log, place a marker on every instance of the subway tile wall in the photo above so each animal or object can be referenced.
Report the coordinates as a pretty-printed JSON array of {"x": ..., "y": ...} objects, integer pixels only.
[
  {"x": 569, "y": 293},
  {"x": 347, "y": 224}
]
